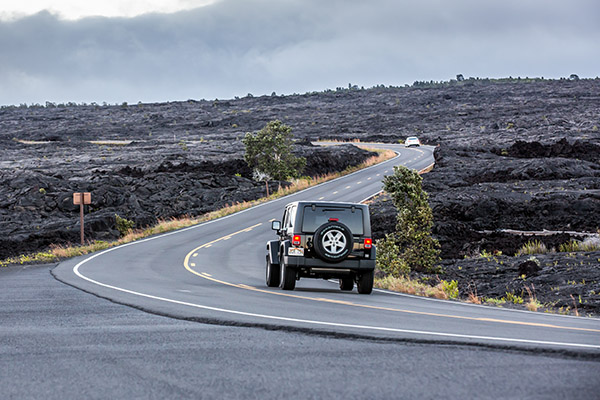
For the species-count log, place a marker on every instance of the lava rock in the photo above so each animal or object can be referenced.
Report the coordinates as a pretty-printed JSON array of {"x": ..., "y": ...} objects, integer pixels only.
[{"x": 528, "y": 268}]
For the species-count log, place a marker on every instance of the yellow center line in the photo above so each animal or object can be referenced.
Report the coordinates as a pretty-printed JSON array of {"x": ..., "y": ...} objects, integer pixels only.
[{"x": 221, "y": 238}]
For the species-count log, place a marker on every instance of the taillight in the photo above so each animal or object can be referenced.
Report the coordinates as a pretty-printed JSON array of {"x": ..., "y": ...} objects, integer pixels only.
[
  {"x": 334, "y": 219},
  {"x": 368, "y": 243},
  {"x": 296, "y": 240}
]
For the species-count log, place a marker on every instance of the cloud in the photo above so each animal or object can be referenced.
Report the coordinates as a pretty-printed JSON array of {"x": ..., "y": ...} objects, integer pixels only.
[
  {"x": 76, "y": 9},
  {"x": 235, "y": 47}
]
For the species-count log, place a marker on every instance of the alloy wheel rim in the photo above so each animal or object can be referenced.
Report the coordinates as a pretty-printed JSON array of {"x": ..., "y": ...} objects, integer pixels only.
[{"x": 334, "y": 242}]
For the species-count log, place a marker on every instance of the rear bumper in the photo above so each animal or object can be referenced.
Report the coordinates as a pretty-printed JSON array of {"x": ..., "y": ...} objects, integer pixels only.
[{"x": 348, "y": 264}]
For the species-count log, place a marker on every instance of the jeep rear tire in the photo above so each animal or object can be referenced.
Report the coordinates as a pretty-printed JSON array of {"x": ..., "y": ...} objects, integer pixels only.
[
  {"x": 364, "y": 283},
  {"x": 288, "y": 277},
  {"x": 272, "y": 274},
  {"x": 347, "y": 283},
  {"x": 333, "y": 242}
]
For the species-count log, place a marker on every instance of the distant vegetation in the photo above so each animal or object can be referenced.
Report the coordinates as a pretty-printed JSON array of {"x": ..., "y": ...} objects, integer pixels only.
[{"x": 459, "y": 81}]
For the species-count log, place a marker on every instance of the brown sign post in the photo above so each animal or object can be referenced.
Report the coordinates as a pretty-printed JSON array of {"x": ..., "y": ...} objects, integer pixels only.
[{"x": 81, "y": 199}]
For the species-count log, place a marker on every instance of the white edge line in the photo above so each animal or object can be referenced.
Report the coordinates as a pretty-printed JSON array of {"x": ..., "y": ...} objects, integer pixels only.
[
  {"x": 323, "y": 323},
  {"x": 483, "y": 306},
  {"x": 371, "y": 196}
]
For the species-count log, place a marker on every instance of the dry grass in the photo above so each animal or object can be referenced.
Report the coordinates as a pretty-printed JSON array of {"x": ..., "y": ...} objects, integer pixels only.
[
  {"x": 472, "y": 296},
  {"x": 427, "y": 169},
  {"x": 532, "y": 304},
  {"x": 339, "y": 141},
  {"x": 575, "y": 311},
  {"x": 58, "y": 252},
  {"x": 409, "y": 286}
]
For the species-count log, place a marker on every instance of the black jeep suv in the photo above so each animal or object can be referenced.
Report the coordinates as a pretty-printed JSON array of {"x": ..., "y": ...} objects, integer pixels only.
[{"x": 324, "y": 240}]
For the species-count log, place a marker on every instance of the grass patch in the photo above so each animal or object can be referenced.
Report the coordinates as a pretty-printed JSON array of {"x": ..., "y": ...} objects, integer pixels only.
[
  {"x": 494, "y": 301},
  {"x": 58, "y": 252},
  {"x": 513, "y": 298},
  {"x": 532, "y": 303},
  {"x": 473, "y": 298},
  {"x": 443, "y": 290},
  {"x": 532, "y": 247},
  {"x": 590, "y": 244}
]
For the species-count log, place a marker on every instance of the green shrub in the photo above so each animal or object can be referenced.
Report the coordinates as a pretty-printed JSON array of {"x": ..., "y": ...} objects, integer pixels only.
[
  {"x": 513, "y": 298},
  {"x": 450, "y": 288},
  {"x": 124, "y": 226},
  {"x": 411, "y": 245},
  {"x": 388, "y": 257},
  {"x": 494, "y": 301}
]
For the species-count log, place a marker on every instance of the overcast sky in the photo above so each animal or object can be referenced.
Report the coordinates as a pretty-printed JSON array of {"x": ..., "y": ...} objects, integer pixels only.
[{"x": 166, "y": 50}]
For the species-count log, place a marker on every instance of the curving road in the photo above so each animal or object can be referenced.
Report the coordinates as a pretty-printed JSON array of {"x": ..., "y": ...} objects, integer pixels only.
[{"x": 214, "y": 272}]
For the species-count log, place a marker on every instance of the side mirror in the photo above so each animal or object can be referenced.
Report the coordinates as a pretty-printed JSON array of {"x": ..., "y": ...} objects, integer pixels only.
[{"x": 276, "y": 225}]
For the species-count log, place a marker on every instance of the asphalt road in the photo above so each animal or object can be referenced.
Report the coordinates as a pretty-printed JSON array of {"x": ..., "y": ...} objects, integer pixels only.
[{"x": 56, "y": 341}]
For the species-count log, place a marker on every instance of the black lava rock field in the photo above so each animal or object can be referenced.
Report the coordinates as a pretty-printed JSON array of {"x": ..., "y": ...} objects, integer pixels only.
[{"x": 518, "y": 160}]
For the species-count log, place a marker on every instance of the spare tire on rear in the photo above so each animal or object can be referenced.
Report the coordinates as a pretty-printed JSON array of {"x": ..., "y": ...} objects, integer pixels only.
[{"x": 333, "y": 242}]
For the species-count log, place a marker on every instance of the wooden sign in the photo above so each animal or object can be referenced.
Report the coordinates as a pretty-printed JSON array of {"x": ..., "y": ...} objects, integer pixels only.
[{"x": 82, "y": 198}]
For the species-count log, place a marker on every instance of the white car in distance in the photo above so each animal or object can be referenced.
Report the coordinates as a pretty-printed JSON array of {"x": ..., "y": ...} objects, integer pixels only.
[{"x": 412, "y": 141}]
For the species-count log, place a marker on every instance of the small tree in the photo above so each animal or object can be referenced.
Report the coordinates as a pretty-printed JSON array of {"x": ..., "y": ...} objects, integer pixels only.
[
  {"x": 411, "y": 246},
  {"x": 269, "y": 153}
]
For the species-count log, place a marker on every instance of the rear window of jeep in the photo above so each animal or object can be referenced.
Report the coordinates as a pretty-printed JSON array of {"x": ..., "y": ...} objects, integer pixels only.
[{"x": 313, "y": 218}]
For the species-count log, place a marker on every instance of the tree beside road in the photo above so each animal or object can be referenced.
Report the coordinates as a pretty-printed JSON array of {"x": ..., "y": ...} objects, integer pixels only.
[{"x": 269, "y": 153}]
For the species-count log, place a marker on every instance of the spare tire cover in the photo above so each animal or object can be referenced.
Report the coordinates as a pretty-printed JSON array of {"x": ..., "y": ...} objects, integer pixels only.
[{"x": 333, "y": 242}]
